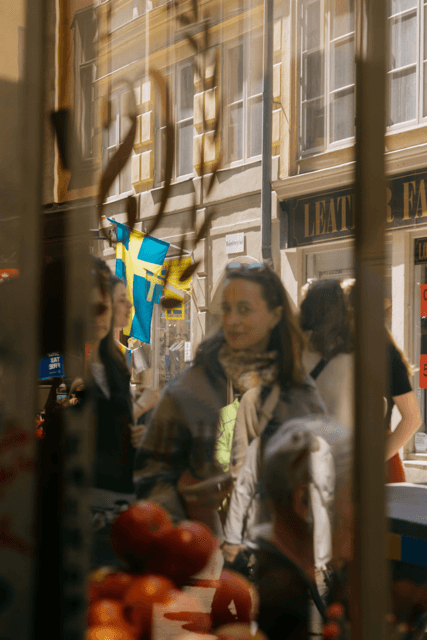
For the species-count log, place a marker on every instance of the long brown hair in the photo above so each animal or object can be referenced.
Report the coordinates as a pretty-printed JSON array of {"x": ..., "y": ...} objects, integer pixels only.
[
  {"x": 286, "y": 338},
  {"x": 102, "y": 279},
  {"x": 325, "y": 314},
  {"x": 349, "y": 292}
]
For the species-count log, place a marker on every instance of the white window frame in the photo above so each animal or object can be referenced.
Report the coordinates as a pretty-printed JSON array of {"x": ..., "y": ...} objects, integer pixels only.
[
  {"x": 109, "y": 150},
  {"x": 247, "y": 98},
  {"x": 419, "y": 64},
  {"x": 82, "y": 65},
  {"x": 326, "y": 44},
  {"x": 172, "y": 78}
]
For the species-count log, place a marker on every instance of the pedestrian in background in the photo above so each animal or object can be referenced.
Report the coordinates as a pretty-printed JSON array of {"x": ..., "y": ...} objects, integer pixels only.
[
  {"x": 274, "y": 387},
  {"x": 398, "y": 392},
  {"x": 122, "y": 307},
  {"x": 259, "y": 342},
  {"x": 328, "y": 325},
  {"x": 107, "y": 384}
]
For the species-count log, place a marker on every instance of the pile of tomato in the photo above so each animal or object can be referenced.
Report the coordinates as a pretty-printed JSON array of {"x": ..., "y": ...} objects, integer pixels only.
[{"x": 160, "y": 559}]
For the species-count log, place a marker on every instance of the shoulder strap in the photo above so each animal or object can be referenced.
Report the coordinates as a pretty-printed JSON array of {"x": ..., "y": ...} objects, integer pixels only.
[
  {"x": 319, "y": 368},
  {"x": 268, "y": 408}
]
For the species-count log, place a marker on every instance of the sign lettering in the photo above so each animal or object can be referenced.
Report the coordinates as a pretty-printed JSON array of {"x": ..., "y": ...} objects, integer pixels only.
[{"x": 332, "y": 215}]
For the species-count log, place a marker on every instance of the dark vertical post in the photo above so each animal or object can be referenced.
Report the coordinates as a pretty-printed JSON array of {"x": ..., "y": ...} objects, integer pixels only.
[
  {"x": 370, "y": 588},
  {"x": 31, "y": 142},
  {"x": 267, "y": 104}
]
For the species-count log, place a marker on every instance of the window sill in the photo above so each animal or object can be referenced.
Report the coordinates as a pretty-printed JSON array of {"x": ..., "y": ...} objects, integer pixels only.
[
  {"x": 416, "y": 457},
  {"x": 120, "y": 196},
  {"x": 330, "y": 158},
  {"x": 396, "y": 139}
]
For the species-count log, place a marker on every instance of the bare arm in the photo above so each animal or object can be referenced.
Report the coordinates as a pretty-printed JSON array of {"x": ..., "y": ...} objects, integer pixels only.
[{"x": 409, "y": 424}]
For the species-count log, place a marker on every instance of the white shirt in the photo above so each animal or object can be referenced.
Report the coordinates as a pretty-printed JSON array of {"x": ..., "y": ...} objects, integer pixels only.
[{"x": 335, "y": 384}]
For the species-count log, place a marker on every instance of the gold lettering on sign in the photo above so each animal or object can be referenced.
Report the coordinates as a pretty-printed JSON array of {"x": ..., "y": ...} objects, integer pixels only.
[
  {"x": 353, "y": 210},
  {"x": 343, "y": 201},
  {"x": 331, "y": 226},
  {"x": 390, "y": 216},
  {"x": 408, "y": 198},
  {"x": 320, "y": 222},
  {"x": 421, "y": 201},
  {"x": 307, "y": 233},
  {"x": 422, "y": 251}
]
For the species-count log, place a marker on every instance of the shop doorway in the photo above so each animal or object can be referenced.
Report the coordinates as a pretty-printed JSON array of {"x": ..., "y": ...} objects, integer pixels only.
[{"x": 420, "y": 338}]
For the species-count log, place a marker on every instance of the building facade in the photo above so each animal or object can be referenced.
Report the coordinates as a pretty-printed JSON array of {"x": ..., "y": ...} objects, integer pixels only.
[
  {"x": 313, "y": 145},
  {"x": 315, "y": 188}
]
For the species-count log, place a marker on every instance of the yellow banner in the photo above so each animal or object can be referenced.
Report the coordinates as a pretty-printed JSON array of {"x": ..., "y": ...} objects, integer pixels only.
[{"x": 176, "y": 269}]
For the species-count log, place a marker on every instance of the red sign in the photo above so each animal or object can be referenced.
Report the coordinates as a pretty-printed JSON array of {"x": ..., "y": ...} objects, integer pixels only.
[
  {"x": 423, "y": 307},
  {"x": 423, "y": 371}
]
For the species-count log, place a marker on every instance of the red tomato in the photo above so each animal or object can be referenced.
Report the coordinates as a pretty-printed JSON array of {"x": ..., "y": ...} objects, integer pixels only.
[
  {"x": 135, "y": 531},
  {"x": 142, "y": 595},
  {"x": 331, "y": 630},
  {"x": 335, "y": 611},
  {"x": 183, "y": 551},
  {"x": 108, "y": 583},
  {"x": 107, "y": 612},
  {"x": 107, "y": 632},
  {"x": 235, "y": 588}
]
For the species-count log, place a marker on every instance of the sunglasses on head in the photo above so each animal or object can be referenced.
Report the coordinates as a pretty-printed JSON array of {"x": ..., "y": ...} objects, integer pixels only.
[{"x": 238, "y": 266}]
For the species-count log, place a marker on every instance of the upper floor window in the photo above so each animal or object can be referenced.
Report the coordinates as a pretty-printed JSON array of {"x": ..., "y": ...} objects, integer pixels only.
[
  {"x": 243, "y": 70},
  {"x": 115, "y": 135},
  {"x": 85, "y": 59},
  {"x": 327, "y": 70},
  {"x": 407, "y": 60},
  {"x": 181, "y": 88}
]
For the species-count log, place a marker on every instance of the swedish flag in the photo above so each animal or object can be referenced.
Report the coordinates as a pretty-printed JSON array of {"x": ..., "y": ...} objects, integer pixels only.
[
  {"x": 154, "y": 286},
  {"x": 137, "y": 254}
]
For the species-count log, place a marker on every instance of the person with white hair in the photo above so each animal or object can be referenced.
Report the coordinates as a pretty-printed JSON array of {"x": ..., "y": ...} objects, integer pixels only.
[{"x": 285, "y": 567}]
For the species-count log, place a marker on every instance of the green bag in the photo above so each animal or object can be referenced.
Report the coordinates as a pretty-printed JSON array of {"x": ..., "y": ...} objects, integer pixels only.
[{"x": 226, "y": 432}]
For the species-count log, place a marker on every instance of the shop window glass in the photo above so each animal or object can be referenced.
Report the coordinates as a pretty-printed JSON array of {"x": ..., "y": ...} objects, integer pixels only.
[
  {"x": 174, "y": 342},
  {"x": 419, "y": 342}
]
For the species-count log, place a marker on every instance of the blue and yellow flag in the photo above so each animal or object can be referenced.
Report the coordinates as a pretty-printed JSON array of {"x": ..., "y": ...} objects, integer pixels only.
[
  {"x": 136, "y": 254},
  {"x": 154, "y": 286}
]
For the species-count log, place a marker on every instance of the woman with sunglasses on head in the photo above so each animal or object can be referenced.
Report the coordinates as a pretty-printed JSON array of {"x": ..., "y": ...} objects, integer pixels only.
[
  {"x": 259, "y": 343},
  {"x": 274, "y": 387}
]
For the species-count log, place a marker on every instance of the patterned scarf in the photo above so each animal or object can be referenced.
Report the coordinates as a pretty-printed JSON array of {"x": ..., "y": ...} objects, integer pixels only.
[{"x": 247, "y": 369}]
